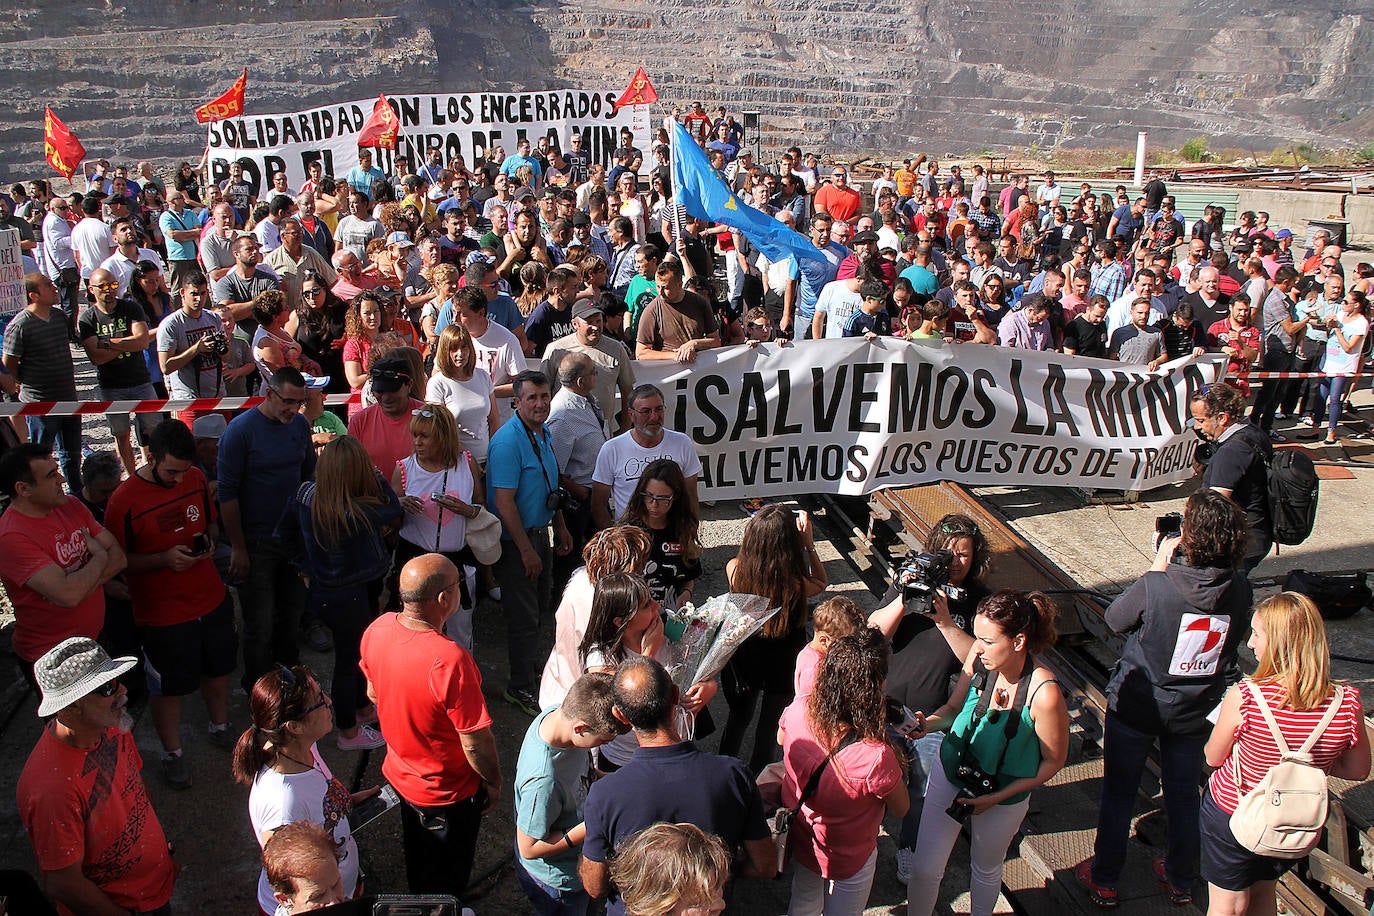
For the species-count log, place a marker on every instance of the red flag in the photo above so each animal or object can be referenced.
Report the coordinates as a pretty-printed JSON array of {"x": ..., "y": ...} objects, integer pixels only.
[
  {"x": 381, "y": 126},
  {"x": 229, "y": 105},
  {"x": 60, "y": 147},
  {"x": 639, "y": 92}
]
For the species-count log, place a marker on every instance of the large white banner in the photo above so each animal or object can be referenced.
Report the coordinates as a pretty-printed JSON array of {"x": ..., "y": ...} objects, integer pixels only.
[
  {"x": 851, "y": 417},
  {"x": 466, "y": 124}
]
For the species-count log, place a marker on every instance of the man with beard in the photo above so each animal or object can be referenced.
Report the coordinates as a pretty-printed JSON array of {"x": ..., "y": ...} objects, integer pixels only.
[
  {"x": 81, "y": 797},
  {"x": 56, "y": 556}
]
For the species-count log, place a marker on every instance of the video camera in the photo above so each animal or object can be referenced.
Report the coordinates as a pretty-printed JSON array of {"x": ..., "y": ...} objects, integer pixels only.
[{"x": 919, "y": 575}]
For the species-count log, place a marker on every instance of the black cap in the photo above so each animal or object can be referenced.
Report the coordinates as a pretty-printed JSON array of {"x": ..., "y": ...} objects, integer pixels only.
[{"x": 389, "y": 375}]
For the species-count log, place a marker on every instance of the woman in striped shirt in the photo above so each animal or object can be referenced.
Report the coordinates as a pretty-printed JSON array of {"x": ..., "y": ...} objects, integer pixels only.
[{"x": 1294, "y": 678}]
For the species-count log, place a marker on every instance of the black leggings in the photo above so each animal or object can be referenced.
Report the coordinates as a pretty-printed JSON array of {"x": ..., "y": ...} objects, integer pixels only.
[
  {"x": 742, "y": 697},
  {"x": 347, "y": 612}
]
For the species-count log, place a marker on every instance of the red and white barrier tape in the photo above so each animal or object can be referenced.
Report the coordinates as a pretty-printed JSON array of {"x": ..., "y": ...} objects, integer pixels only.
[
  {"x": 1281, "y": 375},
  {"x": 154, "y": 405}
]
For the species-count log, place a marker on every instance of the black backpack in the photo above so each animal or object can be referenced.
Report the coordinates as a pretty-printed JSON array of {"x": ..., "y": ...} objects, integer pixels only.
[{"x": 1293, "y": 489}]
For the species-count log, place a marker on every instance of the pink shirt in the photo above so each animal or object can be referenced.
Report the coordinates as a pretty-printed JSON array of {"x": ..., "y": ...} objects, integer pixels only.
[
  {"x": 837, "y": 829},
  {"x": 387, "y": 439},
  {"x": 804, "y": 680}
]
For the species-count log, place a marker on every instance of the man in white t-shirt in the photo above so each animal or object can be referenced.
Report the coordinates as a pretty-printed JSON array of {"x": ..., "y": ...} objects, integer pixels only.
[{"x": 623, "y": 458}]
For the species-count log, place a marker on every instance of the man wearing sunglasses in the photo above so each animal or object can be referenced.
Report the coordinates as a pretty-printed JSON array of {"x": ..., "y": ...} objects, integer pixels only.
[
  {"x": 384, "y": 428},
  {"x": 81, "y": 796},
  {"x": 292, "y": 258},
  {"x": 57, "y": 248},
  {"x": 264, "y": 455}
]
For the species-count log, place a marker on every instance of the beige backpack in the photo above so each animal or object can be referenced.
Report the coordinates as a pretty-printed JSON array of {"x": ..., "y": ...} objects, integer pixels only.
[{"x": 1284, "y": 814}]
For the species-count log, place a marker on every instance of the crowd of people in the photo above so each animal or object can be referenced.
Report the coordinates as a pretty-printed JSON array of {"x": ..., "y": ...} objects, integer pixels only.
[{"x": 489, "y": 319}]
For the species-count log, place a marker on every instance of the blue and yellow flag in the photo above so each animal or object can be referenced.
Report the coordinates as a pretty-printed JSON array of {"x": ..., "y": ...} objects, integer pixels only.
[{"x": 706, "y": 195}]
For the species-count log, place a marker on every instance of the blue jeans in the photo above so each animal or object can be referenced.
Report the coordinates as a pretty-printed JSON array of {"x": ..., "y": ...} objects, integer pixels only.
[
  {"x": 550, "y": 901},
  {"x": 1123, "y": 763},
  {"x": 924, "y": 754},
  {"x": 1331, "y": 389},
  {"x": 64, "y": 435}
]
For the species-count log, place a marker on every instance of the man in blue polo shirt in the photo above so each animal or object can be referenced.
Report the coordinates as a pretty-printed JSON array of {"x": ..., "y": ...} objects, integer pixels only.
[
  {"x": 522, "y": 485},
  {"x": 361, "y": 176},
  {"x": 809, "y": 277},
  {"x": 668, "y": 780}
]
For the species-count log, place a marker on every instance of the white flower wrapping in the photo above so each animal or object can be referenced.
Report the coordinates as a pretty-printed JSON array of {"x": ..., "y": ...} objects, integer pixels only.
[{"x": 702, "y": 639}]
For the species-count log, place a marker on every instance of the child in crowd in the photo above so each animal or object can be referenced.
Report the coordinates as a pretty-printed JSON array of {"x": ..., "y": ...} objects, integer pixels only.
[
  {"x": 833, "y": 618},
  {"x": 550, "y": 789},
  {"x": 872, "y": 319},
  {"x": 758, "y": 327},
  {"x": 239, "y": 366}
]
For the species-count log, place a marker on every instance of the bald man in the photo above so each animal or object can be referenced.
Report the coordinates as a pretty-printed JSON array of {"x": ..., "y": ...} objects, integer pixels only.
[{"x": 441, "y": 754}]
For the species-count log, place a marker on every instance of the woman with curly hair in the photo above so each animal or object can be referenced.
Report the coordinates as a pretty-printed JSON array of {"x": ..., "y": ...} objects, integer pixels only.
[
  {"x": 661, "y": 507},
  {"x": 362, "y": 325},
  {"x": 778, "y": 560},
  {"x": 840, "y": 733}
]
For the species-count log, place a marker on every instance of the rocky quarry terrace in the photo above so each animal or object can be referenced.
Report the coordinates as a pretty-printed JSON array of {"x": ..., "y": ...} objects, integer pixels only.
[{"x": 838, "y": 74}]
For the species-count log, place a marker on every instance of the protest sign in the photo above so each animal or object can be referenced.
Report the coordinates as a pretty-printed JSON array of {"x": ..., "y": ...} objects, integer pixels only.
[
  {"x": 462, "y": 124},
  {"x": 12, "y": 298},
  {"x": 851, "y": 417}
]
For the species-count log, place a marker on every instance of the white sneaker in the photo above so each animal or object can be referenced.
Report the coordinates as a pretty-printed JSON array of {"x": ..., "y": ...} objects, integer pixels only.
[
  {"x": 367, "y": 738},
  {"x": 1308, "y": 422},
  {"x": 904, "y": 857}
]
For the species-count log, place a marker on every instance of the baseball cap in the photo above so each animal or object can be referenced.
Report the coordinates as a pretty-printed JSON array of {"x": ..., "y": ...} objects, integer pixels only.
[
  {"x": 581, "y": 219},
  {"x": 389, "y": 375},
  {"x": 210, "y": 426},
  {"x": 1283, "y": 234},
  {"x": 586, "y": 309},
  {"x": 522, "y": 193},
  {"x": 399, "y": 238},
  {"x": 315, "y": 381}
]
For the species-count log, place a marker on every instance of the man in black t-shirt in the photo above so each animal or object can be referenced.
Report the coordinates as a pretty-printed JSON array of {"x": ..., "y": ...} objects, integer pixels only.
[
  {"x": 1239, "y": 466},
  {"x": 114, "y": 334},
  {"x": 1086, "y": 335}
]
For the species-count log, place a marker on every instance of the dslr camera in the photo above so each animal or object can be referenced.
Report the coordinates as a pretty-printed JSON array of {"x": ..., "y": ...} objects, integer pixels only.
[
  {"x": 558, "y": 500},
  {"x": 975, "y": 783},
  {"x": 217, "y": 342},
  {"x": 919, "y": 576}
]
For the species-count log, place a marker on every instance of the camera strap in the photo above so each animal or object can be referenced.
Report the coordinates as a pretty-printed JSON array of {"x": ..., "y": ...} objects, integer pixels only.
[
  {"x": 814, "y": 782},
  {"x": 981, "y": 676},
  {"x": 534, "y": 444}
]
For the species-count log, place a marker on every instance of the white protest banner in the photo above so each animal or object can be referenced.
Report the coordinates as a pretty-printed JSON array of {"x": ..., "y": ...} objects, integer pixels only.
[
  {"x": 849, "y": 416},
  {"x": 466, "y": 124},
  {"x": 12, "y": 297}
]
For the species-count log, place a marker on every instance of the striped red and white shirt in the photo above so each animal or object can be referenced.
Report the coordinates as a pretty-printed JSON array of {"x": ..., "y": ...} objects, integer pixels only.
[{"x": 1259, "y": 752}]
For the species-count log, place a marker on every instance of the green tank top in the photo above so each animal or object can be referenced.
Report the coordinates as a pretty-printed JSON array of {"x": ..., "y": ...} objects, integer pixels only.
[{"x": 985, "y": 741}]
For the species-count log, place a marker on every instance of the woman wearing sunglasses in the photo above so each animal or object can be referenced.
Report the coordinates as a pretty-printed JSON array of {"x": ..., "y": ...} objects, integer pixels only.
[
  {"x": 288, "y": 779},
  {"x": 319, "y": 325}
]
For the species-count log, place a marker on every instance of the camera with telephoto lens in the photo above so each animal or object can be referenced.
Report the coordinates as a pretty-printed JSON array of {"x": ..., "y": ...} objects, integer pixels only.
[
  {"x": 921, "y": 574},
  {"x": 975, "y": 783},
  {"x": 217, "y": 342},
  {"x": 558, "y": 500}
]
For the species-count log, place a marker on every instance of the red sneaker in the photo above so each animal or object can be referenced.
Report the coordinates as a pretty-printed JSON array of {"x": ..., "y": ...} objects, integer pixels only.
[
  {"x": 1104, "y": 897},
  {"x": 1176, "y": 897}
]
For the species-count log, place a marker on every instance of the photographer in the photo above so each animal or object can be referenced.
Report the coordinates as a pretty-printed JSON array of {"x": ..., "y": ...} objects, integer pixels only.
[
  {"x": 929, "y": 649},
  {"x": 1238, "y": 466},
  {"x": 1008, "y": 733},
  {"x": 1185, "y": 618}
]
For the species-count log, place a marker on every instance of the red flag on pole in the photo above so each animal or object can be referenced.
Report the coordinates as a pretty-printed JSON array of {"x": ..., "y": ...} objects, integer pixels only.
[
  {"x": 229, "y": 105},
  {"x": 381, "y": 126},
  {"x": 639, "y": 92},
  {"x": 60, "y": 147}
]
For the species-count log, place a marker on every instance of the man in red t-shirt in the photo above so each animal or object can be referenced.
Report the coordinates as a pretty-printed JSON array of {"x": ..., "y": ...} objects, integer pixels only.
[
  {"x": 440, "y": 754},
  {"x": 164, "y": 518},
  {"x": 698, "y": 123},
  {"x": 837, "y": 198},
  {"x": 81, "y": 797},
  {"x": 384, "y": 428},
  {"x": 1237, "y": 337},
  {"x": 56, "y": 556}
]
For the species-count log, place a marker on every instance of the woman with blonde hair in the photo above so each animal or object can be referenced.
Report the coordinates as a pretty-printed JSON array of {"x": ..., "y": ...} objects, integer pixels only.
[
  {"x": 335, "y": 527},
  {"x": 465, "y": 388},
  {"x": 672, "y": 870},
  {"x": 1293, "y": 681},
  {"x": 441, "y": 491},
  {"x": 443, "y": 279}
]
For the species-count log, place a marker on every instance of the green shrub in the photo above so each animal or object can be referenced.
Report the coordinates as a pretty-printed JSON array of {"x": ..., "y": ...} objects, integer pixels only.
[{"x": 1195, "y": 150}]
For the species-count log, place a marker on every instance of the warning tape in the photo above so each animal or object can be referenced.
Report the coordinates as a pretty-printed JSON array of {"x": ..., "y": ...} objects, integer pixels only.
[
  {"x": 153, "y": 405},
  {"x": 1281, "y": 375}
]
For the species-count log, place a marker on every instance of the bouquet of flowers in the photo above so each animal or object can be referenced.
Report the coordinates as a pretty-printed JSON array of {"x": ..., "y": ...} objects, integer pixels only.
[{"x": 702, "y": 639}]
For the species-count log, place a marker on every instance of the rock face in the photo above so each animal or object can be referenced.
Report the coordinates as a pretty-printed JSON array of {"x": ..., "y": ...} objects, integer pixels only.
[{"x": 834, "y": 73}]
